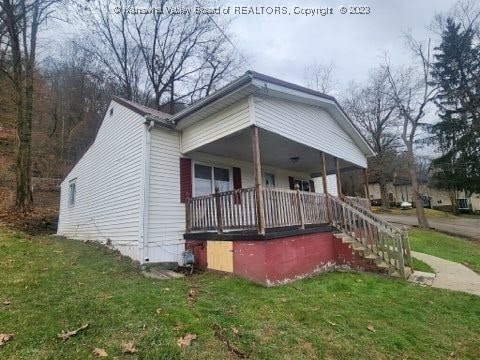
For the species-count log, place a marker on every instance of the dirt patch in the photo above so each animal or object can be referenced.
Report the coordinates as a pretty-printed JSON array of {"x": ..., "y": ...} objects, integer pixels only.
[{"x": 39, "y": 221}]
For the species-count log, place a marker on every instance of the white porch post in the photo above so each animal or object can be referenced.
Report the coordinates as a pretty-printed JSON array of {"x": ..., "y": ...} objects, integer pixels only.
[{"x": 257, "y": 170}]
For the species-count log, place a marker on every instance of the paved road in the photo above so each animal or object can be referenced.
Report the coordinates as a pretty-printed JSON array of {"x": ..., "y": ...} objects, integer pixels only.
[
  {"x": 465, "y": 227},
  {"x": 451, "y": 275}
]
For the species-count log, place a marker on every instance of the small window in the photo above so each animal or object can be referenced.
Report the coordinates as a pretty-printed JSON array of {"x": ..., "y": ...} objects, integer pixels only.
[
  {"x": 72, "y": 191},
  {"x": 463, "y": 204},
  {"x": 269, "y": 180},
  {"x": 304, "y": 185}
]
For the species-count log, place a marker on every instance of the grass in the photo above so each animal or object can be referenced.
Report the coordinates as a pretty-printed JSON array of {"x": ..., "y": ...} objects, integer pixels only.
[
  {"x": 446, "y": 247},
  {"x": 50, "y": 285},
  {"x": 419, "y": 265},
  {"x": 428, "y": 212}
]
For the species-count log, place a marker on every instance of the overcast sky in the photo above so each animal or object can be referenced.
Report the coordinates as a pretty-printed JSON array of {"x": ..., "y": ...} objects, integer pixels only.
[{"x": 283, "y": 45}]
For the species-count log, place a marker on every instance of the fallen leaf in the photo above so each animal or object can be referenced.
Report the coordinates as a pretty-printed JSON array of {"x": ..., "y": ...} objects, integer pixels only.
[
  {"x": 129, "y": 348},
  {"x": 158, "y": 311},
  {"x": 371, "y": 328},
  {"x": 4, "y": 338},
  {"x": 6, "y": 303},
  {"x": 283, "y": 300},
  {"x": 186, "y": 340},
  {"x": 235, "y": 330},
  {"x": 100, "y": 352},
  {"x": 192, "y": 292},
  {"x": 66, "y": 335},
  {"x": 178, "y": 326},
  {"x": 167, "y": 289},
  {"x": 332, "y": 323}
]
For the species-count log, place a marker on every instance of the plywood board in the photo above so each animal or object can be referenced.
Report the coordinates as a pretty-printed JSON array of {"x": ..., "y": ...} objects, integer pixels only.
[{"x": 220, "y": 255}]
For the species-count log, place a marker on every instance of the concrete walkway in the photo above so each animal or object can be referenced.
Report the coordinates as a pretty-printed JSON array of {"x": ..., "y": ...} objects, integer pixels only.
[
  {"x": 451, "y": 275},
  {"x": 464, "y": 227}
]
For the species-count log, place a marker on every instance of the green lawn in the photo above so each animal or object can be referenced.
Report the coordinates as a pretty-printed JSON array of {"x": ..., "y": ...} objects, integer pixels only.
[
  {"x": 446, "y": 247},
  {"x": 52, "y": 285}
]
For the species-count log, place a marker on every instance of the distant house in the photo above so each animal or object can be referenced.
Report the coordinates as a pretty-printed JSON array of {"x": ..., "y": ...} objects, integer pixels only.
[
  {"x": 246, "y": 178},
  {"x": 401, "y": 190}
]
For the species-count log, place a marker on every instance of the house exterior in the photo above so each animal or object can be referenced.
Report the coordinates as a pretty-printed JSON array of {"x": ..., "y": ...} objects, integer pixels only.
[
  {"x": 225, "y": 174},
  {"x": 400, "y": 191}
]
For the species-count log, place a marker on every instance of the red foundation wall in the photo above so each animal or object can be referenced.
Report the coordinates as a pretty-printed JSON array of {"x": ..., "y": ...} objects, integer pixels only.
[{"x": 284, "y": 259}]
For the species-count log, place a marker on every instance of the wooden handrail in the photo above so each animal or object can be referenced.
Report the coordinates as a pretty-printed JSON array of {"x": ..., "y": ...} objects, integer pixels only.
[{"x": 378, "y": 236}]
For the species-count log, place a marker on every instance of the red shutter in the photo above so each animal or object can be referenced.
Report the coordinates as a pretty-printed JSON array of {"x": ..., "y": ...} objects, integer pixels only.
[
  {"x": 237, "y": 183},
  {"x": 237, "y": 178},
  {"x": 185, "y": 179},
  {"x": 312, "y": 186},
  {"x": 291, "y": 181}
]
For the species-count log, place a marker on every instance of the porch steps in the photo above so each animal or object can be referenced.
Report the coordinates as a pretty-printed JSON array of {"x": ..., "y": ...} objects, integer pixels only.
[{"x": 372, "y": 254}]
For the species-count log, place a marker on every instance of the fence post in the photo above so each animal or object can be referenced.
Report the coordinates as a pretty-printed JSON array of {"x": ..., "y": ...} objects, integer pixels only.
[
  {"x": 401, "y": 262},
  {"x": 187, "y": 214},
  {"x": 406, "y": 247},
  {"x": 218, "y": 207},
  {"x": 300, "y": 207}
]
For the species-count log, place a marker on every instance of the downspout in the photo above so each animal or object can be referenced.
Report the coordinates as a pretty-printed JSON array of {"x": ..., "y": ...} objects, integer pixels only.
[{"x": 145, "y": 203}]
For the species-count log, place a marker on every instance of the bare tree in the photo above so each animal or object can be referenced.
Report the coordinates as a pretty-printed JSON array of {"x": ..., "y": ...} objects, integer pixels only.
[
  {"x": 411, "y": 92},
  {"x": 20, "y": 24},
  {"x": 106, "y": 34},
  {"x": 321, "y": 77},
  {"x": 373, "y": 110},
  {"x": 175, "y": 57}
]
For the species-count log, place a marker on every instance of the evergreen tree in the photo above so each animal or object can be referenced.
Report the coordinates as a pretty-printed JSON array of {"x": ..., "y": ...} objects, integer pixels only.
[{"x": 456, "y": 74}]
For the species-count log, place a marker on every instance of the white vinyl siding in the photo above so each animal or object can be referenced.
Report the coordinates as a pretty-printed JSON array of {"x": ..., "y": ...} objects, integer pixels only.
[
  {"x": 107, "y": 185},
  {"x": 309, "y": 125},
  {"x": 331, "y": 184},
  {"x": 166, "y": 214},
  {"x": 217, "y": 126}
]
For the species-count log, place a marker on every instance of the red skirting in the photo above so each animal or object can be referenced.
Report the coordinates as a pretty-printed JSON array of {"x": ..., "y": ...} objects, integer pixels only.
[{"x": 284, "y": 259}]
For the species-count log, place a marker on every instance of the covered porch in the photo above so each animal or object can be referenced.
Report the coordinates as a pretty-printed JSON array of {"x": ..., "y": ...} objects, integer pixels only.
[{"x": 270, "y": 203}]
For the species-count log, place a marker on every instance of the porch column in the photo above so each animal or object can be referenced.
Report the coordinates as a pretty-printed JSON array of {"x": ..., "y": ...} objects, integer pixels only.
[
  {"x": 367, "y": 190},
  {"x": 324, "y": 172},
  {"x": 257, "y": 171},
  {"x": 339, "y": 182},
  {"x": 325, "y": 190}
]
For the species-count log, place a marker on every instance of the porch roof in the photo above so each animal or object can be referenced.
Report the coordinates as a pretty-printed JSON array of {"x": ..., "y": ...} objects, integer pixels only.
[
  {"x": 255, "y": 83},
  {"x": 275, "y": 151}
]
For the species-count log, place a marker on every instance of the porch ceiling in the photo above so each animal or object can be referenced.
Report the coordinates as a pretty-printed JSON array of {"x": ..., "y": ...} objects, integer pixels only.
[{"x": 275, "y": 151}]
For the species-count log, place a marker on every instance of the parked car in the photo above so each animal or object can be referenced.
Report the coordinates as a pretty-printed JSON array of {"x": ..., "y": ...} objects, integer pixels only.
[{"x": 405, "y": 205}]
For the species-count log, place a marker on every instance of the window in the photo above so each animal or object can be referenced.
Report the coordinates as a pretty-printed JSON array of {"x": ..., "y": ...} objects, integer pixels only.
[
  {"x": 206, "y": 178},
  {"x": 463, "y": 204},
  {"x": 72, "y": 190},
  {"x": 269, "y": 180},
  {"x": 304, "y": 185}
]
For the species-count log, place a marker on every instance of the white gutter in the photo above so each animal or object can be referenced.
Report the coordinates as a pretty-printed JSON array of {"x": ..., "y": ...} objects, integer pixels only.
[{"x": 145, "y": 197}]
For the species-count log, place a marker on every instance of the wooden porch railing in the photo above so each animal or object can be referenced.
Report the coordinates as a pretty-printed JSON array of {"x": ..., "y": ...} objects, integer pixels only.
[
  {"x": 356, "y": 201},
  {"x": 236, "y": 210},
  {"x": 380, "y": 238}
]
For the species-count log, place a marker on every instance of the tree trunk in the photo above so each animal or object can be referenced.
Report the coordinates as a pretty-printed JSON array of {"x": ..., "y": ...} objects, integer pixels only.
[
  {"x": 453, "y": 196},
  {"x": 422, "y": 219},
  {"x": 384, "y": 195}
]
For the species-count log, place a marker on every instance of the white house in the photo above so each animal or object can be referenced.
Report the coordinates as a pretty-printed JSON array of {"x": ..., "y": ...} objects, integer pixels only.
[{"x": 258, "y": 132}]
